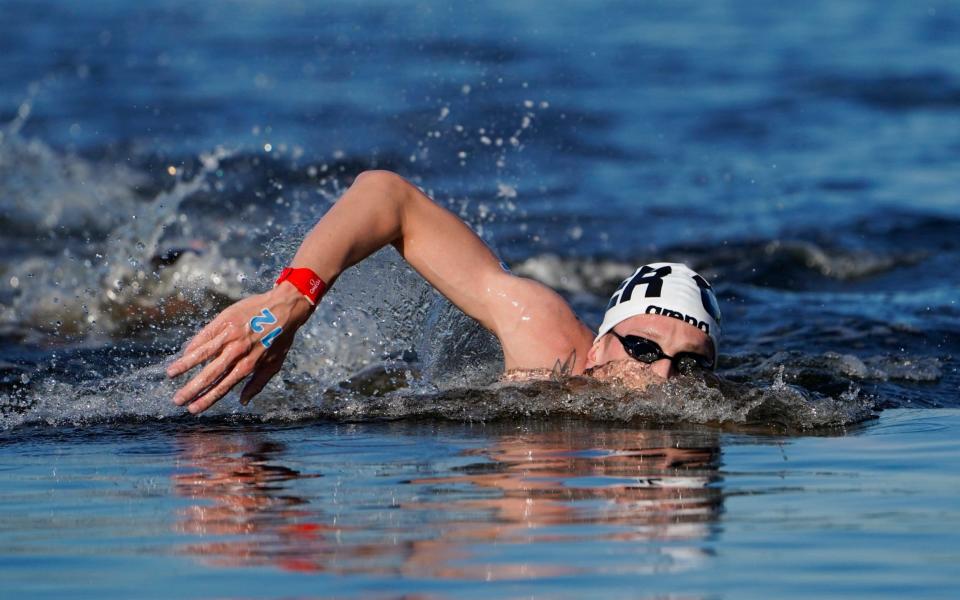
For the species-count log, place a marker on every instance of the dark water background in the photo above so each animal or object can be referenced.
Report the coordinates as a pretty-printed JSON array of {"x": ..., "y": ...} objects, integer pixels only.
[{"x": 158, "y": 160}]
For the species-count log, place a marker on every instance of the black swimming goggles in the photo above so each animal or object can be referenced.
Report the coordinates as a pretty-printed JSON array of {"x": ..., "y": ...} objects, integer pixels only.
[{"x": 648, "y": 351}]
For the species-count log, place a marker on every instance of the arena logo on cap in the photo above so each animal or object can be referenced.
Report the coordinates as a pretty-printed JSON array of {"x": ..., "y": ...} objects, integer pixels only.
[{"x": 666, "y": 312}]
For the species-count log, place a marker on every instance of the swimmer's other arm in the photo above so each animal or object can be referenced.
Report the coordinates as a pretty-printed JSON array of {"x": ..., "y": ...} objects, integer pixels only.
[{"x": 533, "y": 323}]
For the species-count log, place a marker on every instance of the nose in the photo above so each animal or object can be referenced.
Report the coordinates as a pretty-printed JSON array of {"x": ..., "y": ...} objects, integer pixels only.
[{"x": 663, "y": 368}]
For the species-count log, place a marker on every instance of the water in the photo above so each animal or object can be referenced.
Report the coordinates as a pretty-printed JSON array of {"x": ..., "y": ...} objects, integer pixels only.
[
  {"x": 160, "y": 160},
  {"x": 552, "y": 509}
]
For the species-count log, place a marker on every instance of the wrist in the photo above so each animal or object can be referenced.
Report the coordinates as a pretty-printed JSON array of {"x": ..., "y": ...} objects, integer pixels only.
[
  {"x": 306, "y": 281},
  {"x": 288, "y": 294}
]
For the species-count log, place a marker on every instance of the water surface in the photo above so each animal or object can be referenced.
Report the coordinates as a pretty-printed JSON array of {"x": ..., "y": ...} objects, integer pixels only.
[
  {"x": 553, "y": 509},
  {"x": 160, "y": 160}
]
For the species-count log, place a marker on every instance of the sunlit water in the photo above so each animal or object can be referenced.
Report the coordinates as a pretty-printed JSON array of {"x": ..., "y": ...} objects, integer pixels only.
[{"x": 160, "y": 160}]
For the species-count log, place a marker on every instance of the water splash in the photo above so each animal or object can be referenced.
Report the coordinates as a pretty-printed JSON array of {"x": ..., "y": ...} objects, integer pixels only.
[
  {"x": 44, "y": 192},
  {"x": 398, "y": 389},
  {"x": 128, "y": 277}
]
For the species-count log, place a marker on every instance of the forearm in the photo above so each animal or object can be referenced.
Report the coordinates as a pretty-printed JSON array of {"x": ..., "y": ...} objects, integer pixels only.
[
  {"x": 367, "y": 217},
  {"x": 381, "y": 208}
]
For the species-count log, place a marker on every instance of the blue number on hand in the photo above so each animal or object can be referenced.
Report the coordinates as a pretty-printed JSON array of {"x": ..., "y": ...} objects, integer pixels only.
[
  {"x": 268, "y": 339},
  {"x": 265, "y": 318}
]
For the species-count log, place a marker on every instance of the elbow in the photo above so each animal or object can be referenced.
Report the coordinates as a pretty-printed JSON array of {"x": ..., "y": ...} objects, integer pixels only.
[
  {"x": 390, "y": 193},
  {"x": 386, "y": 187},
  {"x": 381, "y": 180}
]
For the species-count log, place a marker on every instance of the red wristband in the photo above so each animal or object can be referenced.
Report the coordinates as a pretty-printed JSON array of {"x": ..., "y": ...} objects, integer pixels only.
[{"x": 305, "y": 280}]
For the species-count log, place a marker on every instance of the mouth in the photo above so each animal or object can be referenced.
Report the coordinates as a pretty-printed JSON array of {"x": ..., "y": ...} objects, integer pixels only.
[{"x": 627, "y": 372}]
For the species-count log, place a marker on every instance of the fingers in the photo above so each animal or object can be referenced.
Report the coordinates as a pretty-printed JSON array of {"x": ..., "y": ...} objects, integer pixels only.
[
  {"x": 260, "y": 378},
  {"x": 196, "y": 355},
  {"x": 213, "y": 372},
  {"x": 219, "y": 390},
  {"x": 231, "y": 351},
  {"x": 206, "y": 334}
]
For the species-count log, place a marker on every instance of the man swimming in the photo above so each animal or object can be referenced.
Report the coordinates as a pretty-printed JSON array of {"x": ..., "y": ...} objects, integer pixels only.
[{"x": 662, "y": 321}]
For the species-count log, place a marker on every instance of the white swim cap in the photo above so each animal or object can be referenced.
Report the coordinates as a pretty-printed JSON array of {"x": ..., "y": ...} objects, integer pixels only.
[{"x": 667, "y": 289}]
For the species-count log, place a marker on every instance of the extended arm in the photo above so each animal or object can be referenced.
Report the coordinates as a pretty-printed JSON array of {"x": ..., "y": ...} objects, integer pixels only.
[
  {"x": 382, "y": 208},
  {"x": 533, "y": 323}
]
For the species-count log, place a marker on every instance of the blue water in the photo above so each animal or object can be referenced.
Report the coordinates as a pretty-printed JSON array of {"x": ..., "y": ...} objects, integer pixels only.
[
  {"x": 159, "y": 160},
  {"x": 564, "y": 509}
]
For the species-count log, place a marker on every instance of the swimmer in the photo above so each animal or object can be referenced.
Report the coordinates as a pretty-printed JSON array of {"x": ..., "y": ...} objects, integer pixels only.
[{"x": 662, "y": 321}]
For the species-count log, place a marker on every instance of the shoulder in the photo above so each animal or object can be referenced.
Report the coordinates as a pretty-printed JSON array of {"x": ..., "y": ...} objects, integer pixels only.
[{"x": 534, "y": 324}]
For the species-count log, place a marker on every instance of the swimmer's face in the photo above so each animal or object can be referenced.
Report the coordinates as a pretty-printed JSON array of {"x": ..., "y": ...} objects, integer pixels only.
[{"x": 608, "y": 360}]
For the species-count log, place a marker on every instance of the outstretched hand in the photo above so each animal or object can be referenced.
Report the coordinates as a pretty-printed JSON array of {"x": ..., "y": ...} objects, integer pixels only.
[{"x": 251, "y": 336}]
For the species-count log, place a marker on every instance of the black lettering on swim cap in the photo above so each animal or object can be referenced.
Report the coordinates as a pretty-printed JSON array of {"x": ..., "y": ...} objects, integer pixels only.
[
  {"x": 708, "y": 298},
  {"x": 615, "y": 298},
  {"x": 653, "y": 278},
  {"x": 666, "y": 312}
]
